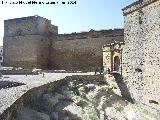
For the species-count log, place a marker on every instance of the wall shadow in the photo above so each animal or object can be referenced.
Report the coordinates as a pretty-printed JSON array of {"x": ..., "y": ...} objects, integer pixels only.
[{"x": 123, "y": 87}]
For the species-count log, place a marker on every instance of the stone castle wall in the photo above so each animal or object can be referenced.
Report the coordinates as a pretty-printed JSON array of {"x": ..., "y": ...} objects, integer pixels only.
[
  {"x": 33, "y": 42},
  {"x": 22, "y": 51},
  {"x": 82, "y": 51},
  {"x": 141, "y": 56}
]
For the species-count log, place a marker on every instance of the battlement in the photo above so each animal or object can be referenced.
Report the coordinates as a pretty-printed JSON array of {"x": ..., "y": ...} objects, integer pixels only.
[
  {"x": 36, "y": 25},
  {"x": 136, "y": 6},
  {"x": 92, "y": 34},
  {"x": 30, "y": 25},
  {"x": 23, "y": 19}
]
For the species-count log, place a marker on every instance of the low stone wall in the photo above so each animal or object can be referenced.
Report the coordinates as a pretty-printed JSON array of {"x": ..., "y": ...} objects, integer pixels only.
[
  {"x": 85, "y": 77},
  {"x": 18, "y": 72},
  {"x": 33, "y": 94}
]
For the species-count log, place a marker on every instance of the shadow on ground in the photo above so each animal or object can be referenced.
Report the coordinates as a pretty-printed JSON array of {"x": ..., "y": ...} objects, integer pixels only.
[
  {"x": 7, "y": 84},
  {"x": 123, "y": 87}
]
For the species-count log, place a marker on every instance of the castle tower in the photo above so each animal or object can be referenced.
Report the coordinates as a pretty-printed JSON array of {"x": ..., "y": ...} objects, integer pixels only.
[
  {"x": 141, "y": 53},
  {"x": 26, "y": 42}
]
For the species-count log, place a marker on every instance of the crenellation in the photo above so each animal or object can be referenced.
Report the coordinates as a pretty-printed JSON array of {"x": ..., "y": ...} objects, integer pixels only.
[{"x": 92, "y": 34}]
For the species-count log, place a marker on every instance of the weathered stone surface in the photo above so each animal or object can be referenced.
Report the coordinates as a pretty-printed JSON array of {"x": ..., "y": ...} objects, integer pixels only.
[
  {"x": 32, "y": 42},
  {"x": 82, "y": 54},
  {"x": 29, "y": 114},
  {"x": 112, "y": 61},
  {"x": 28, "y": 50},
  {"x": 54, "y": 115},
  {"x": 52, "y": 100},
  {"x": 141, "y": 54},
  {"x": 31, "y": 25}
]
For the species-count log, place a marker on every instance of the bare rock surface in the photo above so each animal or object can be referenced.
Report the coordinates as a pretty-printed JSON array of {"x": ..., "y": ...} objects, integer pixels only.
[
  {"x": 29, "y": 114},
  {"x": 81, "y": 101},
  {"x": 75, "y": 100},
  {"x": 9, "y": 95}
]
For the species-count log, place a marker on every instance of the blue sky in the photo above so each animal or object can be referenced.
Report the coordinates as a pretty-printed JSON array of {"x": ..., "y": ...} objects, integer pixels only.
[{"x": 82, "y": 16}]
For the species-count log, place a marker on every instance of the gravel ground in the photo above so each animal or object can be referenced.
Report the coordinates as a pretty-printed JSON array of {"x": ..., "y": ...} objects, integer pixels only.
[{"x": 9, "y": 95}]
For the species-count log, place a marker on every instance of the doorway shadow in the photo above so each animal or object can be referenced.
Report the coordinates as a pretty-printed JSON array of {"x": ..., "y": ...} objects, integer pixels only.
[{"x": 123, "y": 87}]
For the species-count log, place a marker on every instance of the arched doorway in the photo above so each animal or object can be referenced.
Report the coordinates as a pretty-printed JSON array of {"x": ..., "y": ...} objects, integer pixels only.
[{"x": 116, "y": 63}]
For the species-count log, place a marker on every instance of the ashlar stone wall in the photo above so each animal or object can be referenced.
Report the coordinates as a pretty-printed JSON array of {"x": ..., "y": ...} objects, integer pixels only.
[
  {"x": 112, "y": 57},
  {"x": 25, "y": 51},
  {"x": 82, "y": 51},
  {"x": 33, "y": 42},
  {"x": 32, "y": 25},
  {"x": 26, "y": 42}
]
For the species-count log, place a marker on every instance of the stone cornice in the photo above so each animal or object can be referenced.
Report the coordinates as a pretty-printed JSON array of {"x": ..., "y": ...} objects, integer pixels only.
[{"x": 136, "y": 6}]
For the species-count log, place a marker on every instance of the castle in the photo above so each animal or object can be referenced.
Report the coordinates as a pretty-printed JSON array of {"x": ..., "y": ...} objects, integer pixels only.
[
  {"x": 32, "y": 42},
  {"x": 133, "y": 52}
]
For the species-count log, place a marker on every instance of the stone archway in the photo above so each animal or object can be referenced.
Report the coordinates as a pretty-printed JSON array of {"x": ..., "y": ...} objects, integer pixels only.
[{"x": 116, "y": 63}]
